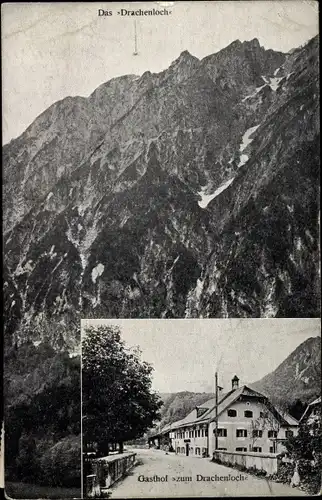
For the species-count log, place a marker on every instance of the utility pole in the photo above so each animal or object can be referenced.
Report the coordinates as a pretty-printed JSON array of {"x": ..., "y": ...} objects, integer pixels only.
[{"x": 216, "y": 414}]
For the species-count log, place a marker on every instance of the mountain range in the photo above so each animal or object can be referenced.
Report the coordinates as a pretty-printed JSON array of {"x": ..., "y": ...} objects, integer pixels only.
[
  {"x": 188, "y": 193},
  {"x": 298, "y": 377}
]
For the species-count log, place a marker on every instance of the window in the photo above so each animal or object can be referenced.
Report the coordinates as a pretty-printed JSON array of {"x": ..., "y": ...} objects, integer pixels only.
[
  {"x": 271, "y": 449},
  {"x": 272, "y": 434},
  {"x": 257, "y": 449},
  {"x": 206, "y": 432},
  {"x": 201, "y": 411},
  {"x": 202, "y": 432},
  {"x": 195, "y": 433},
  {"x": 232, "y": 413},
  {"x": 221, "y": 432},
  {"x": 222, "y": 449},
  {"x": 257, "y": 433},
  {"x": 248, "y": 414},
  {"x": 241, "y": 449},
  {"x": 241, "y": 433},
  {"x": 289, "y": 434}
]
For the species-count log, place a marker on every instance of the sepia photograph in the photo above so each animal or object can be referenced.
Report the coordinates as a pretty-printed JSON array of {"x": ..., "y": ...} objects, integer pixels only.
[
  {"x": 160, "y": 161},
  {"x": 201, "y": 408}
]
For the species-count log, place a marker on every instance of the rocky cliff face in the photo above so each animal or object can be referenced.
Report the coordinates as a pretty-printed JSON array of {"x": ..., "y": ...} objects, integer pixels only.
[
  {"x": 188, "y": 193},
  {"x": 298, "y": 377}
]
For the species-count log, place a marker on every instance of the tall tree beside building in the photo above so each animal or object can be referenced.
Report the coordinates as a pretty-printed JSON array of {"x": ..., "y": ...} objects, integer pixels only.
[
  {"x": 118, "y": 401},
  {"x": 306, "y": 450}
]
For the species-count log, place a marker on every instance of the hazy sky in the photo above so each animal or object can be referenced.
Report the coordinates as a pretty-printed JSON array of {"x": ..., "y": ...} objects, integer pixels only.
[
  {"x": 52, "y": 50},
  {"x": 186, "y": 353}
]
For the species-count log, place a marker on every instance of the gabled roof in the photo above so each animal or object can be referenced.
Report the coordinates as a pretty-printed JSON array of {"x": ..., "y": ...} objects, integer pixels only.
[
  {"x": 310, "y": 406},
  {"x": 191, "y": 417},
  {"x": 287, "y": 417},
  {"x": 208, "y": 404},
  {"x": 226, "y": 400},
  {"x": 229, "y": 399},
  {"x": 315, "y": 402}
]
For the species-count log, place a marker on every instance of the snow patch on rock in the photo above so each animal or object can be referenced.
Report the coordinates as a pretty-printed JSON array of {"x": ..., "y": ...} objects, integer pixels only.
[
  {"x": 246, "y": 140},
  {"x": 274, "y": 83},
  {"x": 243, "y": 160},
  {"x": 97, "y": 271},
  {"x": 258, "y": 89},
  {"x": 206, "y": 198}
]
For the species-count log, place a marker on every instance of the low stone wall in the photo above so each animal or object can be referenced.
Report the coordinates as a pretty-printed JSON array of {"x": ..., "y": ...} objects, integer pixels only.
[
  {"x": 260, "y": 461},
  {"x": 106, "y": 471}
]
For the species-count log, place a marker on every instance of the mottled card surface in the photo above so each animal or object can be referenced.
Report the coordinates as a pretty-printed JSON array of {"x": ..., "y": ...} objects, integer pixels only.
[{"x": 160, "y": 190}]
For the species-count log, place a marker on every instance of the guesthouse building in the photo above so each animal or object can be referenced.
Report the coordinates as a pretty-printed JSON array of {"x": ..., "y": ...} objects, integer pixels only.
[{"x": 244, "y": 420}]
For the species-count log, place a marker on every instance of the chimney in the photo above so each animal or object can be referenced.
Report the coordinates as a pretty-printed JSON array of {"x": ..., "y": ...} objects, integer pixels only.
[{"x": 234, "y": 383}]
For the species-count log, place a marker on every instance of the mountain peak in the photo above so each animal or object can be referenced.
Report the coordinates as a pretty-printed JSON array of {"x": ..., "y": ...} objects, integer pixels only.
[
  {"x": 185, "y": 57},
  {"x": 300, "y": 373},
  {"x": 254, "y": 42}
]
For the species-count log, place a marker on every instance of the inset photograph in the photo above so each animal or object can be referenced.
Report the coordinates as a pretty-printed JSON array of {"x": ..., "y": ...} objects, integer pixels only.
[{"x": 201, "y": 408}]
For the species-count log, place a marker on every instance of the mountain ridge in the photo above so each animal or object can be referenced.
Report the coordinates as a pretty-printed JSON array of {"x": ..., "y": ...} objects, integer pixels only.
[
  {"x": 130, "y": 167},
  {"x": 298, "y": 376}
]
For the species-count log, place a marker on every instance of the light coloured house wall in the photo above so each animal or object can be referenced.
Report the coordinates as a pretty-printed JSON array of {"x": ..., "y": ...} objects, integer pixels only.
[
  {"x": 261, "y": 461},
  {"x": 257, "y": 422},
  {"x": 197, "y": 444}
]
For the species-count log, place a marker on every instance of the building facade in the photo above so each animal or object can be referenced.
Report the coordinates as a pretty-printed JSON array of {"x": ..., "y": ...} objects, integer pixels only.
[{"x": 244, "y": 420}]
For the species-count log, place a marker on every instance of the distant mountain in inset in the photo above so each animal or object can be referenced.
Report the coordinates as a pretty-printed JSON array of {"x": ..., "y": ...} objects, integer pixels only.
[
  {"x": 298, "y": 377},
  {"x": 178, "y": 404}
]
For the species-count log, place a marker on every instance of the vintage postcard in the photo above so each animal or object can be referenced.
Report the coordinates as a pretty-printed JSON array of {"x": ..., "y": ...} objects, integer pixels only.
[{"x": 160, "y": 162}]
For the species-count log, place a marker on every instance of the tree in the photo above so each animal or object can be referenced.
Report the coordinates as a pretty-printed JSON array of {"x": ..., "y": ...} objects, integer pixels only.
[
  {"x": 118, "y": 404},
  {"x": 271, "y": 420},
  {"x": 305, "y": 450},
  {"x": 308, "y": 443},
  {"x": 297, "y": 408}
]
